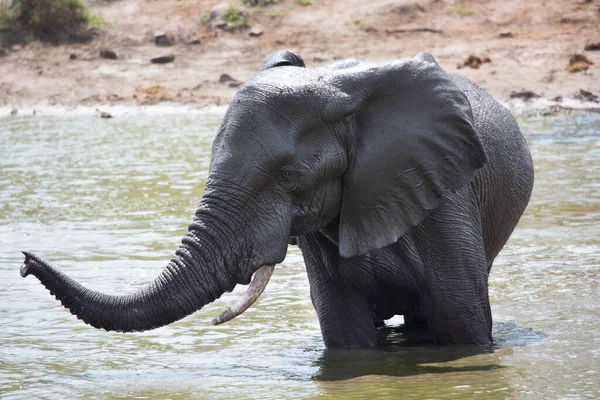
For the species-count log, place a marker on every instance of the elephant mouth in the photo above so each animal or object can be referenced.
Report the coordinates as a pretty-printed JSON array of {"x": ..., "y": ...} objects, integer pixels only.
[{"x": 257, "y": 286}]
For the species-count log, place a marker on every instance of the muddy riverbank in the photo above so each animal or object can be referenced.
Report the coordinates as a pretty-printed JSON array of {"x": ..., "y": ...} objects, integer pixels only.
[{"x": 528, "y": 45}]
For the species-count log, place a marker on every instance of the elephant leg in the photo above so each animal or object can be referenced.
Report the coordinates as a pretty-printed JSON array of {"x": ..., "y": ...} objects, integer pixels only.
[
  {"x": 460, "y": 316},
  {"x": 345, "y": 318},
  {"x": 344, "y": 313},
  {"x": 455, "y": 286}
]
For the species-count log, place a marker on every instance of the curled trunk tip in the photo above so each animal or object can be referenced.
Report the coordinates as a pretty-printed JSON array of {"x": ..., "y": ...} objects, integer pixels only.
[{"x": 30, "y": 262}]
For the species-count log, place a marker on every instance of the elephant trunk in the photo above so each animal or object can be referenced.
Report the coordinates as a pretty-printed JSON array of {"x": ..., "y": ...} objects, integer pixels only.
[{"x": 187, "y": 284}]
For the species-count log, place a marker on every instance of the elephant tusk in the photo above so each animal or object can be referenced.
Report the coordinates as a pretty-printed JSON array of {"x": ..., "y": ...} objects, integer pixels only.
[{"x": 255, "y": 289}]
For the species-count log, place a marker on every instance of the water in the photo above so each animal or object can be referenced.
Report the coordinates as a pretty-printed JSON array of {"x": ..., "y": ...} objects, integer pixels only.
[{"x": 108, "y": 202}]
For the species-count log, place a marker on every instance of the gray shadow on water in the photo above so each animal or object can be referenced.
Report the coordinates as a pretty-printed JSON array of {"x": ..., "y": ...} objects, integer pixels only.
[{"x": 404, "y": 352}]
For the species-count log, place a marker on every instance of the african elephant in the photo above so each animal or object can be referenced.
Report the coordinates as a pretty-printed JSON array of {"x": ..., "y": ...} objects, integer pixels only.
[{"x": 402, "y": 183}]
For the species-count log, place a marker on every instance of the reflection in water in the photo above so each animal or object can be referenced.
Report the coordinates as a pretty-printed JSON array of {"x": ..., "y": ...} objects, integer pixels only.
[
  {"x": 336, "y": 365},
  {"x": 108, "y": 202},
  {"x": 414, "y": 372},
  {"x": 400, "y": 356}
]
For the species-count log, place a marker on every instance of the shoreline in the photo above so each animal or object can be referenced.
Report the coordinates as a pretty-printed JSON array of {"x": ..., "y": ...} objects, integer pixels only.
[
  {"x": 519, "y": 108},
  {"x": 508, "y": 47},
  {"x": 115, "y": 110}
]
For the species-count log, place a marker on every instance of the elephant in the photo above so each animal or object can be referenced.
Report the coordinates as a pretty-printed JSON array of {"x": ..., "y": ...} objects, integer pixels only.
[{"x": 401, "y": 183}]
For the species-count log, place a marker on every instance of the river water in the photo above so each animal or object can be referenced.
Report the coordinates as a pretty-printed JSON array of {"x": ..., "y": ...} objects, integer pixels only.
[{"x": 108, "y": 202}]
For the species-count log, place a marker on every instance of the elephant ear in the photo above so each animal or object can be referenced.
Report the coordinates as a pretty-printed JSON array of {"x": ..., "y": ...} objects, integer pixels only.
[
  {"x": 414, "y": 139},
  {"x": 283, "y": 58}
]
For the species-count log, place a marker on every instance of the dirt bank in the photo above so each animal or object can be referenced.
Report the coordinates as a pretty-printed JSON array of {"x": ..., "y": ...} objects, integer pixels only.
[{"x": 529, "y": 45}]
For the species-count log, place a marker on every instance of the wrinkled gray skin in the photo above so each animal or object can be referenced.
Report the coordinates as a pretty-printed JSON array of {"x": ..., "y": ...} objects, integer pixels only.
[{"x": 402, "y": 182}]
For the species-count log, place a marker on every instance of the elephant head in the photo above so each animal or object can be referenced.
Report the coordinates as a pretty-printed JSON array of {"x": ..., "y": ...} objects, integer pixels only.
[{"x": 358, "y": 151}]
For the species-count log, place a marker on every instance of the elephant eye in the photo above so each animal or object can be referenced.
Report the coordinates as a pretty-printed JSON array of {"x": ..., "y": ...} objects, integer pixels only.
[{"x": 285, "y": 178}]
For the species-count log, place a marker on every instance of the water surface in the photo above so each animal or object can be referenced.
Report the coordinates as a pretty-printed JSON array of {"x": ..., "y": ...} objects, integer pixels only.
[{"x": 108, "y": 202}]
